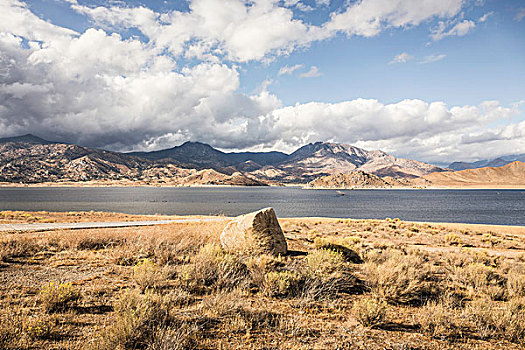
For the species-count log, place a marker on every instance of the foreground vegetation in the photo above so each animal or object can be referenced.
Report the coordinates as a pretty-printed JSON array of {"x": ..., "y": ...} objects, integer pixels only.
[{"x": 346, "y": 284}]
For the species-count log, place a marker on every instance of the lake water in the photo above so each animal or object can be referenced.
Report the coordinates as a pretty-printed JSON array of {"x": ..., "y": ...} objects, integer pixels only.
[{"x": 505, "y": 207}]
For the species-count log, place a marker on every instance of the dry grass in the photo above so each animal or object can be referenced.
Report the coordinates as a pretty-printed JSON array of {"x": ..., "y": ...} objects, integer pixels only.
[
  {"x": 173, "y": 287},
  {"x": 370, "y": 312}
]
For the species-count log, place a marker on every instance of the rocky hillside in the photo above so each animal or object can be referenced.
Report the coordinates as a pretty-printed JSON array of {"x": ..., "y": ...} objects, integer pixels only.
[
  {"x": 212, "y": 177},
  {"x": 510, "y": 175},
  {"x": 350, "y": 180},
  {"x": 324, "y": 158},
  {"x": 30, "y": 159}
]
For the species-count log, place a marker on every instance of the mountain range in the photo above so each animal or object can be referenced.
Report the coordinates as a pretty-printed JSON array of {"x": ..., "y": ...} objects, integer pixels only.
[
  {"x": 30, "y": 159},
  {"x": 493, "y": 163},
  {"x": 511, "y": 175}
]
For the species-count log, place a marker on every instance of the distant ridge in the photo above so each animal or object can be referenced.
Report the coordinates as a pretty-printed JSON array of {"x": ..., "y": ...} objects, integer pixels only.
[
  {"x": 497, "y": 162},
  {"x": 203, "y": 155},
  {"x": 28, "y": 138},
  {"x": 512, "y": 175}
]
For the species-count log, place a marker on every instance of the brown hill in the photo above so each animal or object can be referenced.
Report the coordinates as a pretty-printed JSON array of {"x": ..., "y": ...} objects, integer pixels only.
[
  {"x": 212, "y": 177},
  {"x": 325, "y": 158},
  {"x": 352, "y": 179},
  {"x": 33, "y": 161},
  {"x": 509, "y": 176}
]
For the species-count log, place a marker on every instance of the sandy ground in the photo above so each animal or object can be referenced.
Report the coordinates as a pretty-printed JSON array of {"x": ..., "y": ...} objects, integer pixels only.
[{"x": 102, "y": 262}]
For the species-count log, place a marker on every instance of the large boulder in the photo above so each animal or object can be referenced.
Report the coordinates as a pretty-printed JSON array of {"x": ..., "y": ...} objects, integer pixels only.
[{"x": 255, "y": 233}]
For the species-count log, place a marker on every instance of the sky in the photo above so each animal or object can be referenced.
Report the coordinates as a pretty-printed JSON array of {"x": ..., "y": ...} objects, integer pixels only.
[{"x": 432, "y": 80}]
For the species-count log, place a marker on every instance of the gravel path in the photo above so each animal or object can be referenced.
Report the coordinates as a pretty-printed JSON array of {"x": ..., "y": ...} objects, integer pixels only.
[{"x": 88, "y": 225}]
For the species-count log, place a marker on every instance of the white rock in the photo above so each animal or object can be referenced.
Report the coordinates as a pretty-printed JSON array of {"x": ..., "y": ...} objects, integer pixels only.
[{"x": 257, "y": 232}]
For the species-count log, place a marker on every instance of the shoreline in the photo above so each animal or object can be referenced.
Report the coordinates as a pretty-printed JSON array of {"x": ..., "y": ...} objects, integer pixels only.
[
  {"x": 302, "y": 186},
  {"x": 501, "y": 228}
]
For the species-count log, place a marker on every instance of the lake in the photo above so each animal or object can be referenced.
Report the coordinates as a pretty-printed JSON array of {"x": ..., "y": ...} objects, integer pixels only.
[{"x": 504, "y": 207}]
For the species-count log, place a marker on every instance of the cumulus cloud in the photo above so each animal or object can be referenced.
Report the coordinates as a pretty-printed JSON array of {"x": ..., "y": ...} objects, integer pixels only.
[
  {"x": 433, "y": 131},
  {"x": 100, "y": 89},
  {"x": 402, "y": 58},
  {"x": 244, "y": 32},
  {"x": 369, "y": 17},
  {"x": 312, "y": 73}
]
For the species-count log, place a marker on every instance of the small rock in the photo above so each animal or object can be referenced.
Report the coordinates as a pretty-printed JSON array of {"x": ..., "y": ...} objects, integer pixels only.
[{"x": 257, "y": 232}]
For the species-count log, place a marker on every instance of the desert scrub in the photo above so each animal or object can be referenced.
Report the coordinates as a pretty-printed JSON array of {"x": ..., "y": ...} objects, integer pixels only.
[
  {"x": 58, "y": 297},
  {"x": 515, "y": 282},
  {"x": 213, "y": 268},
  {"x": 282, "y": 283},
  {"x": 453, "y": 239},
  {"x": 321, "y": 262},
  {"x": 370, "y": 312},
  {"x": 344, "y": 246},
  {"x": 325, "y": 274},
  {"x": 477, "y": 280},
  {"x": 235, "y": 314},
  {"x": 441, "y": 319},
  {"x": 401, "y": 279},
  {"x": 137, "y": 319},
  {"x": 181, "y": 338},
  {"x": 39, "y": 327},
  {"x": 18, "y": 247},
  {"x": 505, "y": 321},
  {"x": 10, "y": 329},
  {"x": 148, "y": 275}
]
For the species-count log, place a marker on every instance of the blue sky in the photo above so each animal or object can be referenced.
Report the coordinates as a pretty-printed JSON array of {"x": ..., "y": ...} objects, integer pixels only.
[{"x": 425, "y": 79}]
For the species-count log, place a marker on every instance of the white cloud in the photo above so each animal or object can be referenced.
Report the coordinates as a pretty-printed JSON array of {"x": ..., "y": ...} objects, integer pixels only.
[
  {"x": 216, "y": 28},
  {"x": 312, "y": 73},
  {"x": 17, "y": 19},
  {"x": 459, "y": 29},
  {"x": 289, "y": 70},
  {"x": 485, "y": 17},
  {"x": 369, "y": 17},
  {"x": 402, "y": 58},
  {"x": 428, "y": 131},
  {"x": 431, "y": 59},
  {"x": 99, "y": 89},
  {"x": 305, "y": 8}
]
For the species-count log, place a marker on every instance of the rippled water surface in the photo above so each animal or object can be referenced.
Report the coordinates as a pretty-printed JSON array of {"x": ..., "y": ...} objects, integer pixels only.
[{"x": 505, "y": 207}]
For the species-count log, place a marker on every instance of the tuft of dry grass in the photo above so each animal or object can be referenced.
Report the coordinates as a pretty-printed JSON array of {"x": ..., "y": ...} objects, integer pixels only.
[
  {"x": 401, "y": 279},
  {"x": 370, "y": 312},
  {"x": 148, "y": 275},
  {"x": 137, "y": 319},
  {"x": 213, "y": 268},
  {"x": 58, "y": 297},
  {"x": 441, "y": 320}
]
